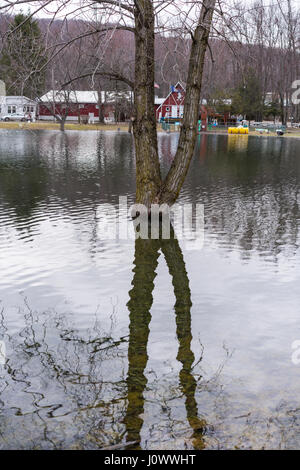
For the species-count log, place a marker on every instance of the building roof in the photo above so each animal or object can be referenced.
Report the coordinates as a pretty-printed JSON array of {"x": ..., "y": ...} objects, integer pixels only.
[
  {"x": 59, "y": 96},
  {"x": 19, "y": 100},
  {"x": 84, "y": 96}
]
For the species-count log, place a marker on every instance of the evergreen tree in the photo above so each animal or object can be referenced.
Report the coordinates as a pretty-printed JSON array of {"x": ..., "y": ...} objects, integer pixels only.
[
  {"x": 23, "y": 55},
  {"x": 272, "y": 109},
  {"x": 248, "y": 98}
]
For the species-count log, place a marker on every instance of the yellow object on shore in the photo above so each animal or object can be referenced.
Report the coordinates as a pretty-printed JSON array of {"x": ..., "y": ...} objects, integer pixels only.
[{"x": 238, "y": 130}]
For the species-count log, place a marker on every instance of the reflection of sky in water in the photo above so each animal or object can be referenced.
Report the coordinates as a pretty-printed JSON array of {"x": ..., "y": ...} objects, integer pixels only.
[{"x": 244, "y": 282}]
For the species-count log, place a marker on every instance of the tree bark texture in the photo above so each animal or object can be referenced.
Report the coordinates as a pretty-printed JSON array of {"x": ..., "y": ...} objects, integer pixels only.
[{"x": 148, "y": 179}]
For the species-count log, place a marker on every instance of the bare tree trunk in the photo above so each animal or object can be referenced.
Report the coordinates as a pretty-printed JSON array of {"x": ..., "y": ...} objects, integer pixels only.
[
  {"x": 101, "y": 114},
  {"x": 148, "y": 179},
  {"x": 282, "y": 113},
  {"x": 62, "y": 125},
  {"x": 177, "y": 173}
]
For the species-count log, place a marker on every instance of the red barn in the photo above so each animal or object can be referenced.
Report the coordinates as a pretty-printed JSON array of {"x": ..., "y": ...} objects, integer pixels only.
[
  {"x": 76, "y": 104},
  {"x": 84, "y": 105},
  {"x": 173, "y": 105}
]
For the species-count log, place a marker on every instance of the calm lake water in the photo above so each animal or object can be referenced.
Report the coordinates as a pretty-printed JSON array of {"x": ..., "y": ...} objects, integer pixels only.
[{"x": 148, "y": 344}]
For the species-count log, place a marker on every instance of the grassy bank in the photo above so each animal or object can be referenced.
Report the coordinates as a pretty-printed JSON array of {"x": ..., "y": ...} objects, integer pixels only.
[
  {"x": 289, "y": 133},
  {"x": 68, "y": 126},
  {"x": 122, "y": 126}
]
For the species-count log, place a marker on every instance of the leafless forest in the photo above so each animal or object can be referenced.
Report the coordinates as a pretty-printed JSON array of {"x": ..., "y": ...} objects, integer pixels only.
[{"x": 97, "y": 46}]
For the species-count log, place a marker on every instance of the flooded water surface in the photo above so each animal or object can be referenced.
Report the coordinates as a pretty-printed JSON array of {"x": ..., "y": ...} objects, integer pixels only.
[{"x": 148, "y": 344}]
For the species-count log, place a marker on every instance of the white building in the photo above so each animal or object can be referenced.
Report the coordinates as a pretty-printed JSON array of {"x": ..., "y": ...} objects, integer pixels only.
[{"x": 17, "y": 104}]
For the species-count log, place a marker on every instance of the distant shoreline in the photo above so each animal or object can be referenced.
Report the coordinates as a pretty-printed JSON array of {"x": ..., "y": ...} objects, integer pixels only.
[
  {"x": 55, "y": 126},
  {"x": 74, "y": 126},
  {"x": 123, "y": 127}
]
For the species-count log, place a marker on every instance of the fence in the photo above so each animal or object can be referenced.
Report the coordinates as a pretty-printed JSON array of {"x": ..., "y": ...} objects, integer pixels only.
[
  {"x": 170, "y": 126},
  {"x": 268, "y": 126}
]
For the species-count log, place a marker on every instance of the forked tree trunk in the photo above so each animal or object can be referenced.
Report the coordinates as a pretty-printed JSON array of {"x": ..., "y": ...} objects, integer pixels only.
[{"x": 150, "y": 188}]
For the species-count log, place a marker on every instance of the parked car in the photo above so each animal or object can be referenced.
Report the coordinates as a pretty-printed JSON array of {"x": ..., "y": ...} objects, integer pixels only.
[{"x": 14, "y": 117}]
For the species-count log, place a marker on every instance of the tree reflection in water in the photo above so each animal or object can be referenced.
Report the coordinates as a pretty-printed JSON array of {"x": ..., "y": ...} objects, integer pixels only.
[
  {"x": 65, "y": 388},
  {"x": 141, "y": 299},
  {"x": 58, "y": 388}
]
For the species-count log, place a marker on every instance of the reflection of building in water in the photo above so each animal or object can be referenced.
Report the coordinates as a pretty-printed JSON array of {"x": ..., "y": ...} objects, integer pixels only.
[
  {"x": 203, "y": 147},
  {"x": 238, "y": 142},
  {"x": 167, "y": 146},
  {"x": 16, "y": 144}
]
